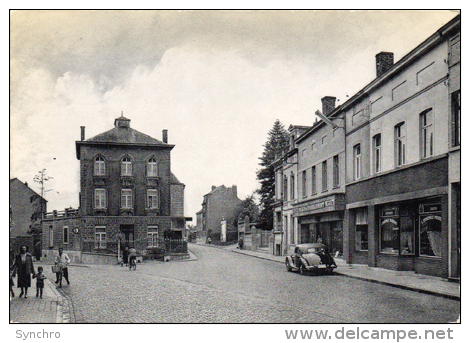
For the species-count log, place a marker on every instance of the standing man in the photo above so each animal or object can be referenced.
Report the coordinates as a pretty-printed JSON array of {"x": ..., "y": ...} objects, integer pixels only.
[{"x": 62, "y": 260}]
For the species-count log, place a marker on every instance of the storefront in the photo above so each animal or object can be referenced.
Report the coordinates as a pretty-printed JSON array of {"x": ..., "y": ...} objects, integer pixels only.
[{"x": 321, "y": 220}]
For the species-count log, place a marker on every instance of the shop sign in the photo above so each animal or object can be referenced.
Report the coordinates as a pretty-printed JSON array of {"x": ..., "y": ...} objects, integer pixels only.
[
  {"x": 315, "y": 206},
  {"x": 428, "y": 218}
]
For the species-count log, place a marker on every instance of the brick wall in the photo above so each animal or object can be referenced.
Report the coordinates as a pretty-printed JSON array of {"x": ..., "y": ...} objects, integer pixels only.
[{"x": 177, "y": 199}]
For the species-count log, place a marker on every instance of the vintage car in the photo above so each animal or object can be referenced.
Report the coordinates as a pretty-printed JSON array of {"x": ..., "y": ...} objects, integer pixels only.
[{"x": 310, "y": 257}]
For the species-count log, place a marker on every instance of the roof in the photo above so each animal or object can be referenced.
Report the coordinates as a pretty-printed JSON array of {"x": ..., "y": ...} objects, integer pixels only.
[
  {"x": 26, "y": 186},
  {"x": 174, "y": 180}
]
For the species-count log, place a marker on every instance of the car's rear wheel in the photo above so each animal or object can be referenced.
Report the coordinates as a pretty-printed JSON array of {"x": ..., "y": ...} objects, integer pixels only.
[
  {"x": 288, "y": 267},
  {"x": 302, "y": 270}
]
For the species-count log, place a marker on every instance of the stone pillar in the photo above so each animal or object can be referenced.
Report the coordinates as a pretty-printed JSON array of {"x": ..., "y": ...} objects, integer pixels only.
[
  {"x": 373, "y": 236},
  {"x": 348, "y": 236}
]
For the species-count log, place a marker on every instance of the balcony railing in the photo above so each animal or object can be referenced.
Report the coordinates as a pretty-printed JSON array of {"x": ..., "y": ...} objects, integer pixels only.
[{"x": 68, "y": 212}]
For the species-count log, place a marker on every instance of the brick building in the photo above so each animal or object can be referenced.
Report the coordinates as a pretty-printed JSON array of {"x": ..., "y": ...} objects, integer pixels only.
[
  {"x": 26, "y": 210},
  {"x": 220, "y": 203},
  {"x": 127, "y": 192}
]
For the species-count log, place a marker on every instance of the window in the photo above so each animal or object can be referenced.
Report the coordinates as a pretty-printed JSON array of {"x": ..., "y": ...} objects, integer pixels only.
[
  {"x": 291, "y": 236},
  {"x": 284, "y": 192},
  {"x": 314, "y": 180},
  {"x": 152, "y": 167},
  {"x": 389, "y": 240},
  {"x": 336, "y": 171},
  {"x": 152, "y": 236},
  {"x": 455, "y": 102},
  {"x": 304, "y": 151},
  {"x": 152, "y": 198},
  {"x": 377, "y": 153},
  {"x": 304, "y": 183},
  {"x": 100, "y": 237},
  {"x": 65, "y": 235},
  {"x": 99, "y": 166},
  {"x": 323, "y": 140},
  {"x": 51, "y": 236},
  {"x": 430, "y": 232},
  {"x": 324, "y": 176},
  {"x": 362, "y": 236},
  {"x": 313, "y": 145},
  {"x": 426, "y": 133},
  {"x": 126, "y": 167},
  {"x": 400, "y": 145},
  {"x": 126, "y": 198},
  {"x": 292, "y": 187},
  {"x": 357, "y": 162},
  {"x": 100, "y": 198}
]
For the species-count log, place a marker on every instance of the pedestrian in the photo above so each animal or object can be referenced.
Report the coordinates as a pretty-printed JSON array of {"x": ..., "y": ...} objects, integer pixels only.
[
  {"x": 320, "y": 240},
  {"x": 12, "y": 270},
  {"x": 24, "y": 268},
  {"x": 125, "y": 255},
  {"x": 62, "y": 260},
  {"x": 40, "y": 277},
  {"x": 209, "y": 240}
]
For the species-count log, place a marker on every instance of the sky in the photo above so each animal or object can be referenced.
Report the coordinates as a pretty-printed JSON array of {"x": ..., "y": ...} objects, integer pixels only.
[{"x": 216, "y": 80}]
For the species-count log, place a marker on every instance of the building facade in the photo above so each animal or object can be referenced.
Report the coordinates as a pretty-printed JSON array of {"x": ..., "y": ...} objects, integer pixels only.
[
  {"x": 219, "y": 204},
  {"x": 128, "y": 195},
  {"x": 397, "y": 155},
  {"x": 378, "y": 180}
]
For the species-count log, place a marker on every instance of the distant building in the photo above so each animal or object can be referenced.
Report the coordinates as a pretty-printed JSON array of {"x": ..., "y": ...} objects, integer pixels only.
[
  {"x": 220, "y": 203},
  {"x": 26, "y": 210},
  {"x": 127, "y": 192}
]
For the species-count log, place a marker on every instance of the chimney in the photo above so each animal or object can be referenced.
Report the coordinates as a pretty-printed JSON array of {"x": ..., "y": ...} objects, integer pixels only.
[
  {"x": 328, "y": 104},
  {"x": 26, "y": 183},
  {"x": 383, "y": 62},
  {"x": 82, "y": 136},
  {"x": 213, "y": 187},
  {"x": 165, "y": 136},
  {"x": 234, "y": 190}
]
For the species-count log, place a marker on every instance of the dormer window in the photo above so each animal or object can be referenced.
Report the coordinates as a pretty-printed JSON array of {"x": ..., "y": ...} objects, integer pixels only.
[
  {"x": 152, "y": 167},
  {"x": 126, "y": 167},
  {"x": 99, "y": 166}
]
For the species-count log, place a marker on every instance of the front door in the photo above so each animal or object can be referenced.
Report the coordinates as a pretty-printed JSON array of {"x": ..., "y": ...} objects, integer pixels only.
[{"x": 128, "y": 231}]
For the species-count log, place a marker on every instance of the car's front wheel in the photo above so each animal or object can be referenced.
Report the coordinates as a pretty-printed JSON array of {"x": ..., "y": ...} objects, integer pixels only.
[
  {"x": 329, "y": 270},
  {"x": 288, "y": 267},
  {"x": 302, "y": 270}
]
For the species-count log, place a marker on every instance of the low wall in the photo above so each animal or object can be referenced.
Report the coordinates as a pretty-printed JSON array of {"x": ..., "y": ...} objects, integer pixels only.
[{"x": 48, "y": 255}]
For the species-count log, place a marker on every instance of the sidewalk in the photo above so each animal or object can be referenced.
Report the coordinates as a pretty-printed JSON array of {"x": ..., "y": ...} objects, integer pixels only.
[
  {"x": 402, "y": 279},
  {"x": 52, "y": 308}
]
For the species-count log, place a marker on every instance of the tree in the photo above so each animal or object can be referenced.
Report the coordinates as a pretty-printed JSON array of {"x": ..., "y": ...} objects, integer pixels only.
[
  {"x": 246, "y": 207},
  {"x": 277, "y": 143}
]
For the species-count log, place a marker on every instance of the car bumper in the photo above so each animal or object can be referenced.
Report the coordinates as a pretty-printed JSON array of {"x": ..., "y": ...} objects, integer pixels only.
[{"x": 320, "y": 266}]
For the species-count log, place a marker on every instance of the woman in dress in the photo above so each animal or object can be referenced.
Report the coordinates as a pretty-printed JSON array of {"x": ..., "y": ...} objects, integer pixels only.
[{"x": 24, "y": 268}]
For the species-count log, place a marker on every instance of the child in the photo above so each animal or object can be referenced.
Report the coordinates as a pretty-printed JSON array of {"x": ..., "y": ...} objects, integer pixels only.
[{"x": 40, "y": 282}]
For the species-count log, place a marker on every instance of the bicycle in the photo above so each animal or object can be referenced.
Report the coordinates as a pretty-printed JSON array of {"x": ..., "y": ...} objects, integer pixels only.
[{"x": 132, "y": 263}]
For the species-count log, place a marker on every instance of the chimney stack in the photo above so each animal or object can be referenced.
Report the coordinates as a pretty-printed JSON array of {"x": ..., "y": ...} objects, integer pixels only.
[
  {"x": 234, "y": 190},
  {"x": 328, "y": 104},
  {"x": 165, "y": 136},
  {"x": 383, "y": 62},
  {"x": 213, "y": 187},
  {"x": 82, "y": 136}
]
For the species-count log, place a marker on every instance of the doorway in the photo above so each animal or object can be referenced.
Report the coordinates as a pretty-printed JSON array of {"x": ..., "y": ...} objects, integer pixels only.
[{"x": 128, "y": 231}]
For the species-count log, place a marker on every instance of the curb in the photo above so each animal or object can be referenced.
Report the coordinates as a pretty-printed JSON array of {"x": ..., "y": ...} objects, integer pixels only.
[
  {"x": 65, "y": 313},
  {"x": 409, "y": 288}
]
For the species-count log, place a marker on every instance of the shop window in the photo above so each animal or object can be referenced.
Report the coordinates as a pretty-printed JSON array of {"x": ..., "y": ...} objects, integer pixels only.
[
  {"x": 100, "y": 198},
  {"x": 400, "y": 145},
  {"x": 426, "y": 133},
  {"x": 65, "y": 235},
  {"x": 314, "y": 180},
  {"x": 99, "y": 166},
  {"x": 100, "y": 237},
  {"x": 336, "y": 171},
  {"x": 389, "y": 231},
  {"x": 126, "y": 167},
  {"x": 377, "y": 154},
  {"x": 152, "y": 236},
  {"x": 362, "y": 235},
  {"x": 152, "y": 167},
  {"x": 126, "y": 198},
  {"x": 430, "y": 231}
]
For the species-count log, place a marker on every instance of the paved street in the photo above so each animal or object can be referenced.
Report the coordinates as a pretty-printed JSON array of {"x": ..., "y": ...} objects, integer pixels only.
[{"x": 223, "y": 287}]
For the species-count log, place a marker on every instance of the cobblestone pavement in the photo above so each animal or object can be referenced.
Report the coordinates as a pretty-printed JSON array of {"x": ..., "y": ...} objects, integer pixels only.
[{"x": 223, "y": 287}]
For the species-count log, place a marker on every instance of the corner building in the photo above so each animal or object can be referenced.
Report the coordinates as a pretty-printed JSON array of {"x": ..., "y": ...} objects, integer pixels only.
[{"x": 127, "y": 192}]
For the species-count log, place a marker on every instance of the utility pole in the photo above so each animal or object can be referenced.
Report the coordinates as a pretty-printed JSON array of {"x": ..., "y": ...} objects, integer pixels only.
[{"x": 41, "y": 178}]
